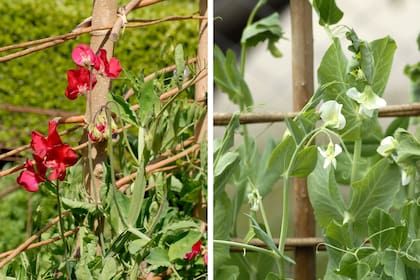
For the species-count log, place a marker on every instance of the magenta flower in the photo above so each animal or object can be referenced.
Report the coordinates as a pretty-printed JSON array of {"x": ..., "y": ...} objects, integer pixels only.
[
  {"x": 79, "y": 82},
  {"x": 49, "y": 154},
  {"x": 83, "y": 56}
]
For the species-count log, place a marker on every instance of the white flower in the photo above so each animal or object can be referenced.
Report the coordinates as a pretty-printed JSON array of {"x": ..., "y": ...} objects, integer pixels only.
[
  {"x": 330, "y": 153},
  {"x": 405, "y": 178},
  {"x": 254, "y": 199},
  {"x": 331, "y": 114},
  {"x": 367, "y": 99},
  {"x": 387, "y": 146}
]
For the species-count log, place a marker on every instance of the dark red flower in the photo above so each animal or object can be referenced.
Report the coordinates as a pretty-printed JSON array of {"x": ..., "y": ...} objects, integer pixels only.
[
  {"x": 80, "y": 81},
  {"x": 195, "y": 250}
]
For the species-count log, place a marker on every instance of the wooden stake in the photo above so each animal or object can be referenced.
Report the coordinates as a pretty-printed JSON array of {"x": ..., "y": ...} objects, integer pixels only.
[
  {"x": 303, "y": 87},
  {"x": 104, "y": 14}
]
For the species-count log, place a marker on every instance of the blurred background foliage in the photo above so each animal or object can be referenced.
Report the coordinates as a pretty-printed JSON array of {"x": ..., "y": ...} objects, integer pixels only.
[{"x": 39, "y": 79}]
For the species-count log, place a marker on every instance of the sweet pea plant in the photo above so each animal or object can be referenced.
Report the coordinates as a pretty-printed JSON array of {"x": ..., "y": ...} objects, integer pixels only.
[
  {"x": 144, "y": 224},
  {"x": 362, "y": 182}
]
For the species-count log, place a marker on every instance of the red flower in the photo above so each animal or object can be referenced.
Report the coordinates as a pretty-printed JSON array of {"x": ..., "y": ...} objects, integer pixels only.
[
  {"x": 49, "y": 153},
  {"x": 111, "y": 68},
  {"x": 83, "y": 56},
  {"x": 195, "y": 250},
  {"x": 79, "y": 82},
  {"x": 30, "y": 178}
]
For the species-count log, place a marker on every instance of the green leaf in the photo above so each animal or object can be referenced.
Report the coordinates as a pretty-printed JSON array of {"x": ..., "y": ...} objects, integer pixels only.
[
  {"x": 124, "y": 110},
  {"x": 266, "y": 177},
  {"x": 325, "y": 196},
  {"x": 297, "y": 133},
  {"x": 376, "y": 189},
  {"x": 136, "y": 245},
  {"x": 223, "y": 220},
  {"x": 180, "y": 65},
  {"x": 263, "y": 236},
  {"x": 380, "y": 229},
  {"x": 109, "y": 270},
  {"x": 228, "y": 272},
  {"x": 136, "y": 202},
  {"x": 265, "y": 29},
  {"x": 408, "y": 147},
  {"x": 305, "y": 162},
  {"x": 401, "y": 234},
  {"x": 351, "y": 267},
  {"x": 178, "y": 249},
  {"x": 272, "y": 276},
  {"x": 158, "y": 257},
  {"x": 383, "y": 54},
  {"x": 147, "y": 99},
  {"x": 83, "y": 272},
  {"x": 393, "y": 265},
  {"x": 333, "y": 69},
  {"x": 400, "y": 122},
  {"x": 78, "y": 206},
  {"x": 282, "y": 154},
  {"x": 228, "y": 78},
  {"x": 327, "y": 11},
  {"x": 224, "y": 169},
  {"x": 221, "y": 147}
]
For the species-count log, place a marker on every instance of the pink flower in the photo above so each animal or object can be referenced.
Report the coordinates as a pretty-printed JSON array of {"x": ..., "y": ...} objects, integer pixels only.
[
  {"x": 195, "y": 250},
  {"x": 83, "y": 56},
  {"x": 205, "y": 258},
  {"x": 111, "y": 68},
  {"x": 79, "y": 82},
  {"x": 49, "y": 153},
  {"x": 30, "y": 178}
]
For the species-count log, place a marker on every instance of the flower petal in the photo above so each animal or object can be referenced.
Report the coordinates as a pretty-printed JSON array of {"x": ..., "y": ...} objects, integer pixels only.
[
  {"x": 83, "y": 55},
  {"x": 331, "y": 114}
]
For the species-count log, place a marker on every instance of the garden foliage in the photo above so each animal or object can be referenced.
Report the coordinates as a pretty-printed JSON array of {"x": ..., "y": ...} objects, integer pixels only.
[{"x": 362, "y": 182}]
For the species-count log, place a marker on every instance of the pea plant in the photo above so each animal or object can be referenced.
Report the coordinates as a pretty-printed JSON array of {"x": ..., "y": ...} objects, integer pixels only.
[
  {"x": 145, "y": 220},
  {"x": 362, "y": 179}
]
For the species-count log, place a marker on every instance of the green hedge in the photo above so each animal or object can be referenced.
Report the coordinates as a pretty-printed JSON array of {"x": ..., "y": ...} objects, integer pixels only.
[{"x": 39, "y": 79}]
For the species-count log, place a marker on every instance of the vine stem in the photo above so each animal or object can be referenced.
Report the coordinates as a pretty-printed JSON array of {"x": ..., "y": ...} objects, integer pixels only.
[
  {"x": 284, "y": 219},
  {"x": 57, "y": 189},
  {"x": 246, "y": 246},
  {"x": 356, "y": 158}
]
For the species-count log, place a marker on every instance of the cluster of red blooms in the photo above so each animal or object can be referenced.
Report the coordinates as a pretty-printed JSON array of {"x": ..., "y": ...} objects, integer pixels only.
[
  {"x": 196, "y": 250},
  {"x": 82, "y": 80},
  {"x": 50, "y": 156}
]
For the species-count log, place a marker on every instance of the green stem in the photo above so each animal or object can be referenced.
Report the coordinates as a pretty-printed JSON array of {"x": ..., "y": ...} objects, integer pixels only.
[
  {"x": 62, "y": 231},
  {"x": 264, "y": 216},
  {"x": 284, "y": 220},
  {"x": 246, "y": 246},
  {"x": 111, "y": 163},
  {"x": 243, "y": 46},
  {"x": 356, "y": 158}
]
